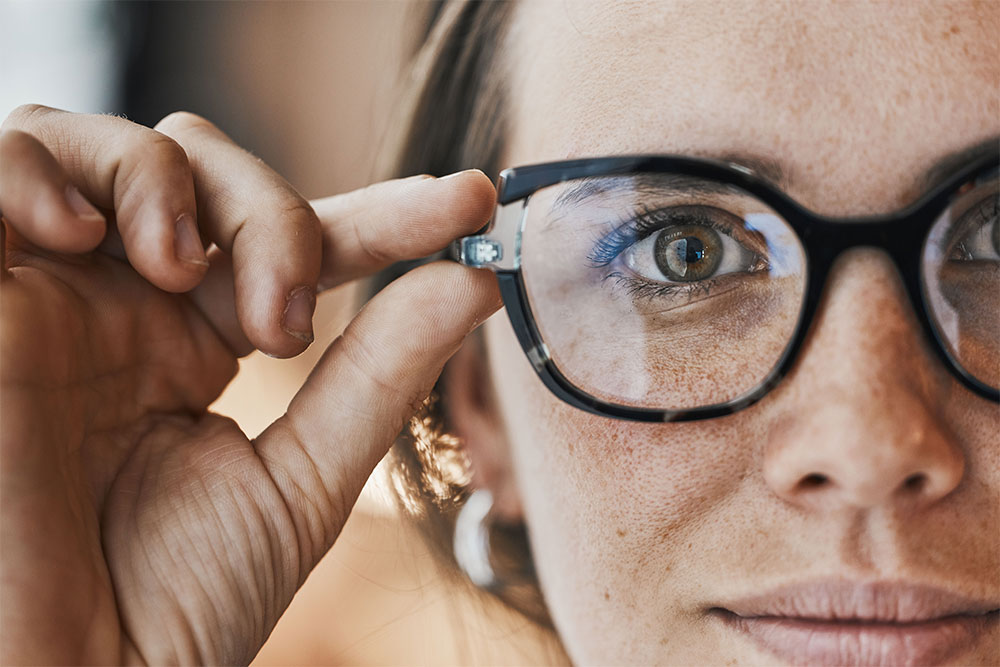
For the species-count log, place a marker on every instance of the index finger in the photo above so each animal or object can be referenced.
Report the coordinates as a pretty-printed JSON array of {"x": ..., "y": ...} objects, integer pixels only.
[
  {"x": 362, "y": 231},
  {"x": 368, "y": 229}
]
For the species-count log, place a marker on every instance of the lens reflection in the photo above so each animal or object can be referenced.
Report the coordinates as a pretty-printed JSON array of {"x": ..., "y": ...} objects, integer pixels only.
[
  {"x": 659, "y": 290},
  {"x": 961, "y": 279}
]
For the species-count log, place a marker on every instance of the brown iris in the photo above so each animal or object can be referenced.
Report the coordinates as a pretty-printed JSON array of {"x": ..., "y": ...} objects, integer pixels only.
[{"x": 688, "y": 253}]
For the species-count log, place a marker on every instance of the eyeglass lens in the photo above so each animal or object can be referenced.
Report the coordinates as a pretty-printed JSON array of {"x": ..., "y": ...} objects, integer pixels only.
[
  {"x": 960, "y": 275},
  {"x": 665, "y": 291}
]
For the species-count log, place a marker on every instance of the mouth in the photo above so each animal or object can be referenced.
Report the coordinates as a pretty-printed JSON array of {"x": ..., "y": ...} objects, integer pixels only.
[{"x": 843, "y": 623}]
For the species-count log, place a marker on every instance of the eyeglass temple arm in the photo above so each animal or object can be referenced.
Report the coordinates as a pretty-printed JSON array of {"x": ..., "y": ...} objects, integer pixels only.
[{"x": 499, "y": 247}]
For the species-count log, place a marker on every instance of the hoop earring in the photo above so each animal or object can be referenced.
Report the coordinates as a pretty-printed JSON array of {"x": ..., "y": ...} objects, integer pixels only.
[{"x": 472, "y": 539}]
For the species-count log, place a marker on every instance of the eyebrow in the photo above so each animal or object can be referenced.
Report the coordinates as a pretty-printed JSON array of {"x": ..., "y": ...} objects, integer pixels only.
[
  {"x": 643, "y": 183},
  {"x": 764, "y": 167}
]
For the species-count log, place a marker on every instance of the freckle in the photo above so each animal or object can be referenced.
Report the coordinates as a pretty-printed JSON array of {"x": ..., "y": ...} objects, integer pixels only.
[
  {"x": 607, "y": 596},
  {"x": 570, "y": 446},
  {"x": 621, "y": 532}
]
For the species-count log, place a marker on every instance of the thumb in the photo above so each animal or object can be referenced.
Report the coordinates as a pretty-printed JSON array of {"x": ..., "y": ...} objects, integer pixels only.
[{"x": 366, "y": 386}]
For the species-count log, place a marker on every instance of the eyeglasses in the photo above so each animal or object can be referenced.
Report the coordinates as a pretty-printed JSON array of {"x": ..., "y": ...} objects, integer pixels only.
[{"x": 668, "y": 288}]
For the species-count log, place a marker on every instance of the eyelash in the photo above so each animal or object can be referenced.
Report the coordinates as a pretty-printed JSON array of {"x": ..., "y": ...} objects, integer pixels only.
[
  {"x": 640, "y": 225},
  {"x": 638, "y": 287},
  {"x": 643, "y": 223}
]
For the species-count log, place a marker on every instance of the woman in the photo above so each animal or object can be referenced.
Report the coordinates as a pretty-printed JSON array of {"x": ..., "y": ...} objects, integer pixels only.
[{"x": 841, "y": 508}]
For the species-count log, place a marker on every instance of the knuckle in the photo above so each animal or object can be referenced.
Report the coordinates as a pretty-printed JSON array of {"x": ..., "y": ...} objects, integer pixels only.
[
  {"x": 15, "y": 145},
  {"x": 181, "y": 123},
  {"x": 164, "y": 149},
  {"x": 151, "y": 151},
  {"x": 288, "y": 216},
  {"x": 390, "y": 382},
  {"x": 367, "y": 241},
  {"x": 301, "y": 218},
  {"x": 25, "y": 116},
  {"x": 360, "y": 355}
]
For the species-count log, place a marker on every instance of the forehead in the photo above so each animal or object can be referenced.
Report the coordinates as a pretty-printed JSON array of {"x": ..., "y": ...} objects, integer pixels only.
[{"x": 856, "y": 100}]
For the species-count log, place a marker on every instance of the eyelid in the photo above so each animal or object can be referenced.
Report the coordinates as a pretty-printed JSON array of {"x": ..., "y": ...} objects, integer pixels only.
[
  {"x": 967, "y": 221},
  {"x": 751, "y": 239},
  {"x": 645, "y": 222}
]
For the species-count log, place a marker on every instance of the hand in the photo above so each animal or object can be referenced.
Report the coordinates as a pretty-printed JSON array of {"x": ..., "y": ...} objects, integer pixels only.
[{"x": 136, "y": 526}]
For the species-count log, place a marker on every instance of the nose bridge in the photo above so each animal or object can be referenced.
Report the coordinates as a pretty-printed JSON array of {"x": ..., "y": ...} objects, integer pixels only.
[
  {"x": 898, "y": 236},
  {"x": 841, "y": 249},
  {"x": 859, "y": 425},
  {"x": 867, "y": 316}
]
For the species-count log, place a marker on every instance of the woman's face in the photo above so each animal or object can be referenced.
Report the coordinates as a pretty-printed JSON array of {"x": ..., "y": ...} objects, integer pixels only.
[{"x": 638, "y": 530}]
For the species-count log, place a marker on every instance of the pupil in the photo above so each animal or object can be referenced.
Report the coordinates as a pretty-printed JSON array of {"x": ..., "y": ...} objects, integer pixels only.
[
  {"x": 687, "y": 253},
  {"x": 693, "y": 249}
]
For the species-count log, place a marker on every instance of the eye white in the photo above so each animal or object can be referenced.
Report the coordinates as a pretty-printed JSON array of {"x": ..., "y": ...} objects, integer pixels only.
[{"x": 640, "y": 258}]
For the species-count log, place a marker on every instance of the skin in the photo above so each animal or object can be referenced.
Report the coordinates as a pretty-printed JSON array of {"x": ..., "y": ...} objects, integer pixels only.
[
  {"x": 136, "y": 526},
  {"x": 662, "y": 522},
  {"x": 168, "y": 536}
]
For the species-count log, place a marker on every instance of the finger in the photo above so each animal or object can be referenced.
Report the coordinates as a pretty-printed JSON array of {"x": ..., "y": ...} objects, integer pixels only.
[
  {"x": 369, "y": 229},
  {"x": 214, "y": 297},
  {"x": 141, "y": 174},
  {"x": 362, "y": 391},
  {"x": 270, "y": 231},
  {"x": 39, "y": 201}
]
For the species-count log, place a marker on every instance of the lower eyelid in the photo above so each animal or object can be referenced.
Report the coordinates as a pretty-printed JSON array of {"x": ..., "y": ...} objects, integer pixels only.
[{"x": 638, "y": 286}]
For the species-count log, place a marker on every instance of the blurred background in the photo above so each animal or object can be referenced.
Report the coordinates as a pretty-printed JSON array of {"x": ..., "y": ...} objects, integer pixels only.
[{"x": 309, "y": 87}]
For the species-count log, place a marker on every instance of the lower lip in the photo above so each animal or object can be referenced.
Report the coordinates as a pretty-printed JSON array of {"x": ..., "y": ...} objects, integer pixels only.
[{"x": 816, "y": 642}]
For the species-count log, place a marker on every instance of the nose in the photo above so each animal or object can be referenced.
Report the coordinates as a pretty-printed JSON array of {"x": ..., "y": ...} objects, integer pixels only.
[
  {"x": 846, "y": 453},
  {"x": 862, "y": 424}
]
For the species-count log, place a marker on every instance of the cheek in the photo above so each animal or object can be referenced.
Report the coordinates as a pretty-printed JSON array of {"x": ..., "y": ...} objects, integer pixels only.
[
  {"x": 625, "y": 502},
  {"x": 655, "y": 522}
]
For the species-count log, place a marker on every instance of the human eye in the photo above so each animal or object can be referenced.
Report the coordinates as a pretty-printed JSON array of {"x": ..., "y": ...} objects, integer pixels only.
[
  {"x": 977, "y": 235},
  {"x": 679, "y": 250}
]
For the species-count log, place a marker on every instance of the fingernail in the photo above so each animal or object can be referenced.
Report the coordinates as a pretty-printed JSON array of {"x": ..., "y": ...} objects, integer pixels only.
[
  {"x": 297, "y": 320},
  {"x": 79, "y": 203},
  {"x": 187, "y": 244}
]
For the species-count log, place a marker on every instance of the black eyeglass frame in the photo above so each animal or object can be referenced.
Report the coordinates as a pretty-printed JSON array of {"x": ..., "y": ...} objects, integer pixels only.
[{"x": 902, "y": 235}]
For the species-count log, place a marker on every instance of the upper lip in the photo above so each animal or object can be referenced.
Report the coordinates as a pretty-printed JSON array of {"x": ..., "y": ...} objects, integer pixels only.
[{"x": 875, "y": 602}]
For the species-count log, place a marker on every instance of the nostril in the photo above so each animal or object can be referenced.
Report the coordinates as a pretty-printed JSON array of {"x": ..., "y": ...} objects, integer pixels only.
[
  {"x": 915, "y": 482},
  {"x": 813, "y": 481}
]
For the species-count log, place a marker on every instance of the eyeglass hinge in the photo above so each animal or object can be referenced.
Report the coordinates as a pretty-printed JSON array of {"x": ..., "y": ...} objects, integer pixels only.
[{"x": 477, "y": 251}]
